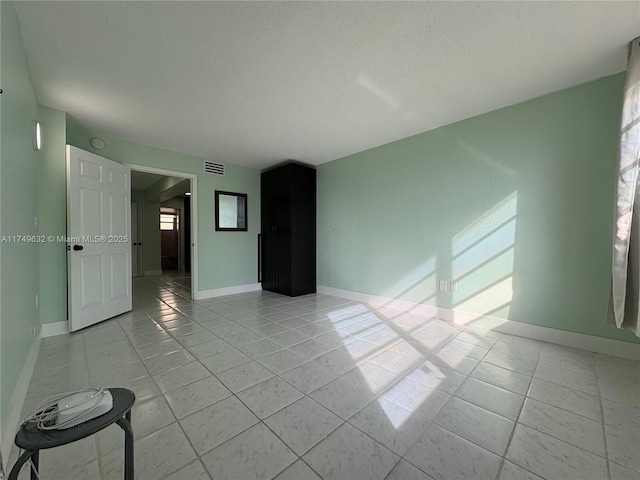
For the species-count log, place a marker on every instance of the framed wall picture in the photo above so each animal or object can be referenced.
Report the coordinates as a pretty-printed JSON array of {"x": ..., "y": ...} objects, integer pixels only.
[{"x": 231, "y": 211}]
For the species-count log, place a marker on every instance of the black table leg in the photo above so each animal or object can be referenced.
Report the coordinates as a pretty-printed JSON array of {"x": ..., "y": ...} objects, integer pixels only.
[
  {"x": 125, "y": 424},
  {"x": 22, "y": 459}
]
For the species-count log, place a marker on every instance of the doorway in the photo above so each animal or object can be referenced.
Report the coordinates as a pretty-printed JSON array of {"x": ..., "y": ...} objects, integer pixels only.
[
  {"x": 167, "y": 224},
  {"x": 137, "y": 266},
  {"x": 170, "y": 244}
]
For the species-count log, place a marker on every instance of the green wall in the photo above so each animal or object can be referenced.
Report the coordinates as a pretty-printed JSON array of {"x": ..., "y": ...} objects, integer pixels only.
[
  {"x": 18, "y": 207},
  {"x": 225, "y": 258},
  {"x": 52, "y": 216},
  {"x": 515, "y": 205}
]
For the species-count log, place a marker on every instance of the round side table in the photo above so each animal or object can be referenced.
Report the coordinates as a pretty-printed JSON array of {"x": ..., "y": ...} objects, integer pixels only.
[{"x": 33, "y": 440}]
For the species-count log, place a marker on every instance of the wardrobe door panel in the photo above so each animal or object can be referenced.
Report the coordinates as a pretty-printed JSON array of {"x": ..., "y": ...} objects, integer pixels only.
[
  {"x": 269, "y": 242},
  {"x": 303, "y": 231}
]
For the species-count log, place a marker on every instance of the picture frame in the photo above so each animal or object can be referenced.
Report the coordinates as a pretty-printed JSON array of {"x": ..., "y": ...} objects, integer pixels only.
[{"x": 231, "y": 211}]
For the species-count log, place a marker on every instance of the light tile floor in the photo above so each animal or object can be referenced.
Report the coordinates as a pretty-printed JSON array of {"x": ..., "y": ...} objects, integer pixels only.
[{"x": 262, "y": 386}]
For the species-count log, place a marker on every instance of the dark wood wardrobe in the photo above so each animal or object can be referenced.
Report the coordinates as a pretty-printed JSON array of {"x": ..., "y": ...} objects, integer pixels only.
[{"x": 288, "y": 239}]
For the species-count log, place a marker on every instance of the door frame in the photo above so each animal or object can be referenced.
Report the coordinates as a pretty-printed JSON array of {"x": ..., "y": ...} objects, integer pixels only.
[
  {"x": 194, "y": 214},
  {"x": 138, "y": 236}
]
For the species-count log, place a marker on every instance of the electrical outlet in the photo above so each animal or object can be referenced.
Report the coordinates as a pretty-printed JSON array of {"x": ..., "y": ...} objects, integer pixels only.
[
  {"x": 444, "y": 285},
  {"x": 454, "y": 286}
]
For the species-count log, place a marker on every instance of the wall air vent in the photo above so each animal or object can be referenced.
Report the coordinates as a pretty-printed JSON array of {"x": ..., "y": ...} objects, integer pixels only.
[{"x": 213, "y": 168}]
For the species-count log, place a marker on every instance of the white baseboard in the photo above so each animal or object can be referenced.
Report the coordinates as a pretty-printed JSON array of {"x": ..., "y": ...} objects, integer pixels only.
[
  {"x": 608, "y": 346},
  {"x": 220, "y": 292},
  {"x": 10, "y": 426},
  {"x": 54, "y": 328},
  {"x": 151, "y": 273}
]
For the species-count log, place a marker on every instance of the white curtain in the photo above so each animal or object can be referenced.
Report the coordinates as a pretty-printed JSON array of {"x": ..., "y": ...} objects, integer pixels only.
[{"x": 624, "y": 303}]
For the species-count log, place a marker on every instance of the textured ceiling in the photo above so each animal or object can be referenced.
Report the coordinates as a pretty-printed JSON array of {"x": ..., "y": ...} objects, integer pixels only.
[{"x": 257, "y": 83}]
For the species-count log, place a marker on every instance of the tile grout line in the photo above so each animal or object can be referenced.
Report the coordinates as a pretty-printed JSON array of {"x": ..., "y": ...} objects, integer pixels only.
[
  {"x": 432, "y": 422},
  {"x": 177, "y": 421},
  {"x": 343, "y": 421},
  {"x": 162, "y": 394},
  {"x": 95, "y": 438},
  {"x": 233, "y": 394},
  {"x": 517, "y": 422},
  {"x": 604, "y": 429}
]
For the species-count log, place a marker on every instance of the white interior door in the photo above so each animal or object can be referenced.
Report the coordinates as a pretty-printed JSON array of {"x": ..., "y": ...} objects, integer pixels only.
[{"x": 99, "y": 243}]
